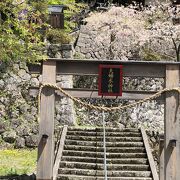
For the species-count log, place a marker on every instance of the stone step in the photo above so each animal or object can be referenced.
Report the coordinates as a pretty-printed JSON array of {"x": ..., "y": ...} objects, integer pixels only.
[
  {"x": 109, "y": 161},
  {"x": 108, "y": 149},
  {"x": 100, "y": 144},
  {"x": 108, "y": 139},
  {"x": 83, "y": 155},
  {"x": 96, "y": 166},
  {"x": 101, "y": 173},
  {"x": 108, "y": 134},
  {"x": 101, "y": 129},
  {"x": 100, "y": 155},
  {"x": 76, "y": 177}
]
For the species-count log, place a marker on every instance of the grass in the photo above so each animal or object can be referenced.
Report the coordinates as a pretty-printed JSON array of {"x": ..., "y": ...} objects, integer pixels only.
[{"x": 17, "y": 162}]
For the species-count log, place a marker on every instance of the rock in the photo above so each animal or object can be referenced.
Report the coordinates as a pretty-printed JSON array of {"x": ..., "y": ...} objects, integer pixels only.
[
  {"x": 85, "y": 50},
  {"x": 65, "y": 81},
  {"x": 14, "y": 114},
  {"x": 81, "y": 44},
  {"x": 33, "y": 111},
  {"x": 40, "y": 78},
  {"x": 67, "y": 47},
  {"x": 11, "y": 87},
  {"x": 13, "y": 79},
  {"x": 35, "y": 128},
  {"x": 28, "y": 117},
  {"x": 9, "y": 136},
  {"x": 2, "y": 110},
  {"x": 2, "y": 128},
  {"x": 23, "y": 130},
  {"x": 31, "y": 141},
  {"x": 3, "y": 67},
  {"x": 88, "y": 56},
  {"x": 1, "y": 84},
  {"x": 23, "y": 65},
  {"x": 58, "y": 117},
  {"x": 58, "y": 55},
  {"x": 5, "y": 145},
  {"x": 24, "y": 108},
  {"x": 84, "y": 36},
  {"x": 26, "y": 77},
  {"x": 16, "y": 67},
  {"x": 23, "y": 75},
  {"x": 77, "y": 49},
  {"x": 34, "y": 82},
  {"x": 97, "y": 55},
  {"x": 20, "y": 142},
  {"x": 4, "y": 100},
  {"x": 67, "y": 54}
]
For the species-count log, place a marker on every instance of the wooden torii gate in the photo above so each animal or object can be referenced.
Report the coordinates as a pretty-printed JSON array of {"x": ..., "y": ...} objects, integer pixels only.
[{"x": 169, "y": 71}]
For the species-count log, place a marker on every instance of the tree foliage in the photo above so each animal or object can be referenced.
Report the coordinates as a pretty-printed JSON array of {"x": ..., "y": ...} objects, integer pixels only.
[
  {"x": 20, "y": 35},
  {"x": 23, "y": 26},
  {"x": 127, "y": 33}
]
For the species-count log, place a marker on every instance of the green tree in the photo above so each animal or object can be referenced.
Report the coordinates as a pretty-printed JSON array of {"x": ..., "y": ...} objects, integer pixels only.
[
  {"x": 20, "y": 35},
  {"x": 21, "y": 27}
]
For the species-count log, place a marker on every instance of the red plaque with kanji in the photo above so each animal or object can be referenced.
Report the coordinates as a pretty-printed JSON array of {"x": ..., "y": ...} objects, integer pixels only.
[{"x": 110, "y": 80}]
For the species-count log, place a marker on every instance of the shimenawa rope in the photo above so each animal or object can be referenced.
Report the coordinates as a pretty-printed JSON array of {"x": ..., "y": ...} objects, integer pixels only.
[{"x": 103, "y": 108}]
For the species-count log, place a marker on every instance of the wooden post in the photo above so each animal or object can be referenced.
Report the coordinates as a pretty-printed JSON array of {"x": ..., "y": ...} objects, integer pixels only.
[
  {"x": 46, "y": 127},
  {"x": 172, "y": 126}
]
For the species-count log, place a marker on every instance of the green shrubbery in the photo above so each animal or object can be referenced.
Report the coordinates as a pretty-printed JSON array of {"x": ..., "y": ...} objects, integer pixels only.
[
  {"x": 20, "y": 38},
  {"x": 58, "y": 36}
]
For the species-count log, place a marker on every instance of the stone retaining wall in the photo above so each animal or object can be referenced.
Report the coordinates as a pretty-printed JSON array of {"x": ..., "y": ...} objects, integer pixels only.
[{"x": 18, "y": 110}]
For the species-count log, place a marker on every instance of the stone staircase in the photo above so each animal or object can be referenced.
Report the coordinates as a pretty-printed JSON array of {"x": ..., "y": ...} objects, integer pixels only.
[{"x": 82, "y": 155}]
